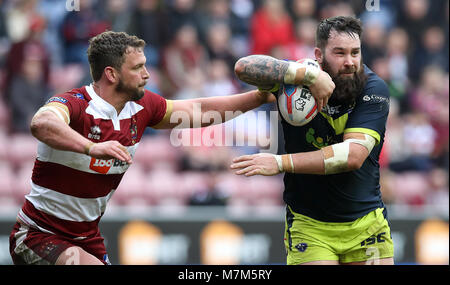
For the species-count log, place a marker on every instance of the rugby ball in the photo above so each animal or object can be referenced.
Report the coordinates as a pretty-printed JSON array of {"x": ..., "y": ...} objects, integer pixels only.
[{"x": 296, "y": 104}]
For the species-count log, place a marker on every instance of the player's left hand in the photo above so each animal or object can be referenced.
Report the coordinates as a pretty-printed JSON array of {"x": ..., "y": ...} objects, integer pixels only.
[
  {"x": 255, "y": 164},
  {"x": 322, "y": 89}
]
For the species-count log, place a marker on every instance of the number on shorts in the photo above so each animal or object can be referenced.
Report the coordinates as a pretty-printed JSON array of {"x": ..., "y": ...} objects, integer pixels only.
[{"x": 374, "y": 254}]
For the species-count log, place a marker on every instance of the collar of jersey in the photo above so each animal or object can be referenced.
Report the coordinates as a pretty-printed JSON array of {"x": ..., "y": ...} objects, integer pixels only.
[{"x": 100, "y": 109}]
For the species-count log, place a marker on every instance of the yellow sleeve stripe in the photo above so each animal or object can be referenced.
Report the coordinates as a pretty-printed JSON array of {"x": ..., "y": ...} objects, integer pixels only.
[
  {"x": 166, "y": 118},
  {"x": 369, "y": 132},
  {"x": 60, "y": 110}
]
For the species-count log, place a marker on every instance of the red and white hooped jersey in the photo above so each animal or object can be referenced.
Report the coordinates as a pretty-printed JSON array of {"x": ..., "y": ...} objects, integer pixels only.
[{"x": 69, "y": 191}]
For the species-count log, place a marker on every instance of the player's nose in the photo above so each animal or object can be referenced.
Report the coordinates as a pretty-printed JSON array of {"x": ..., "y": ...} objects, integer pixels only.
[
  {"x": 348, "y": 62},
  {"x": 145, "y": 74}
]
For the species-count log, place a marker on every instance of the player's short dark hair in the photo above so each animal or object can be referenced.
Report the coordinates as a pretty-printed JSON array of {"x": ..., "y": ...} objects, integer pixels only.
[
  {"x": 108, "y": 49},
  {"x": 340, "y": 24}
]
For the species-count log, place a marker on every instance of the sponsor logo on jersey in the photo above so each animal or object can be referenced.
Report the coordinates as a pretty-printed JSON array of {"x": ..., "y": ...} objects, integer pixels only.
[
  {"x": 375, "y": 98},
  {"x": 335, "y": 110},
  {"x": 331, "y": 110},
  {"x": 103, "y": 166},
  {"x": 57, "y": 99}
]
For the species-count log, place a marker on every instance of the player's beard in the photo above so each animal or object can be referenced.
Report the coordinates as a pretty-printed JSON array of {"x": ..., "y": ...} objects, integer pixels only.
[
  {"x": 135, "y": 92},
  {"x": 347, "y": 88}
]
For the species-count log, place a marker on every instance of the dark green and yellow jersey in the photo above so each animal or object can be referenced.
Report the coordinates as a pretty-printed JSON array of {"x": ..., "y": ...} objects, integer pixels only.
[{"x": 346, "y": 196}]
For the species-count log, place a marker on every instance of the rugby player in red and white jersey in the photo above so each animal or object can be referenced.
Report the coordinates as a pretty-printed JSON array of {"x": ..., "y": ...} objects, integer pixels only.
[{"x": 87, "y": 139}]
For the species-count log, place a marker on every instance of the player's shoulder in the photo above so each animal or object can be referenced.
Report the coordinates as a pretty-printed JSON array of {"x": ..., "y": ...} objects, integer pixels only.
[
  {"x": 149, "y": 93},
  {"x": 77, "y": 95},
  {"x": 149, "y": 97},
  {"x": 375, "y": 85}
]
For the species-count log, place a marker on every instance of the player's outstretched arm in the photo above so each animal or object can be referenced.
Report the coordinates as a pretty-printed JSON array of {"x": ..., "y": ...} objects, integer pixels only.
[
  {"x": 198, "y": 110},
  {"x": 53, "y": 130},
  {"x": 267, "y": 73},
  {"x": 269, "y": 164},
  {"x": 342, "y": 157}
]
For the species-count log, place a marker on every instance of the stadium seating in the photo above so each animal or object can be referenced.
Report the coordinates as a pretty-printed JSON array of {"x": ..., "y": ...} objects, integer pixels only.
[
  {"x": 22, "y": 181},
  {"x": 22, "y": 149},
  {"x": 131, "y": 188},
  {"x": 154, "y": 151},
  {"x": 7, "y": 178}
]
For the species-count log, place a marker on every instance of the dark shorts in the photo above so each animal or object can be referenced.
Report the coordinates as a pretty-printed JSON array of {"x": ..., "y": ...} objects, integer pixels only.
[{"x": 30, "y": 246}]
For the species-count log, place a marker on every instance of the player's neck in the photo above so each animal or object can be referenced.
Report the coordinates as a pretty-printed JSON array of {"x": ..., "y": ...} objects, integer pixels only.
[{"x": 108, "y": 94}]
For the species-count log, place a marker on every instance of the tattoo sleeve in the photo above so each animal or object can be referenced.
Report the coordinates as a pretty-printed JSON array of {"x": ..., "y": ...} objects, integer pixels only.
[{"x": 261, "y": 70}]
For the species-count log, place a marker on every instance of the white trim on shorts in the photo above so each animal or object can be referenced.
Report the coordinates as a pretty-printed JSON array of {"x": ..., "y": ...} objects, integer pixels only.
[{"x": 22, "y": 250}]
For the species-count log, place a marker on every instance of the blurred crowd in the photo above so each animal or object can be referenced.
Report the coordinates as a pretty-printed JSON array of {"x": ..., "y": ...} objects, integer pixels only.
[{"x": 192, "y": 46}]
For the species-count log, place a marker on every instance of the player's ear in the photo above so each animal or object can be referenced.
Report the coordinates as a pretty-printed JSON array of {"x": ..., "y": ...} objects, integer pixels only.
[
  {"x": 111, "y": 74},
  {"x": 318, "y": 54}
]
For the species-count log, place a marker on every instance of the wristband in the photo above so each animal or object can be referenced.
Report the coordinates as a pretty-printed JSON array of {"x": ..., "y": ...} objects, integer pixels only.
[
  {"x": 87, "y": 147},
  {"x": 285, "y": 163},
  {"x": 288, "y": 164},
  {"x": 292, "y": 163},
  {"x": 309, "y": 78},
  {"x": 279, "y": 162}
]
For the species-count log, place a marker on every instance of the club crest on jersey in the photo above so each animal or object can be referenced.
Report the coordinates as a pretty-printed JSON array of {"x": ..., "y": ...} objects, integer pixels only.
[
  {"x": 315, "y": 140},
  {"x": 95, "y": 133},
  {"x": 133, "y": 131}
]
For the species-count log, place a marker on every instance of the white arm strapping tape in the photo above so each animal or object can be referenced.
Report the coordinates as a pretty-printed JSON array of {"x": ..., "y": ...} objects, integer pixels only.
[
  {"x": 368, "y": 142},
  {"x": 292, "y": 163},
  {"x": 284, "y": 166},
  {"x": 311, "y": 73},
  {"x": 279, "y": 162},
  {"x": 56, "y": 111},
  {"x": 339, "y": 161},
  {"x": 281, "y": 168}
]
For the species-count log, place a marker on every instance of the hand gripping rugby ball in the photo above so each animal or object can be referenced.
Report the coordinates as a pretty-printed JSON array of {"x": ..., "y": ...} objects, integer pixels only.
[{"x": 296, "y": 104}]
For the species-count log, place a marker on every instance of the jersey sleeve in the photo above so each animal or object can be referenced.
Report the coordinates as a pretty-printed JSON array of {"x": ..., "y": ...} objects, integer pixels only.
[
  {"x": 371, "y": 111},
  {"x": 69, "y": 102},
  {"x": 156, "y": 107}
]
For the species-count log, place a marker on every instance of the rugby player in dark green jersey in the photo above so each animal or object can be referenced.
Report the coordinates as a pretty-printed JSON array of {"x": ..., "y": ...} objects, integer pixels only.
[{"x": 335, "y": 213}]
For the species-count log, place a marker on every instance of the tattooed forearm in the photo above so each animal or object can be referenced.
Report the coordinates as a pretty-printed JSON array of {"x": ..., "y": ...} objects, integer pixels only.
[{"x": 261, "y": 70}]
